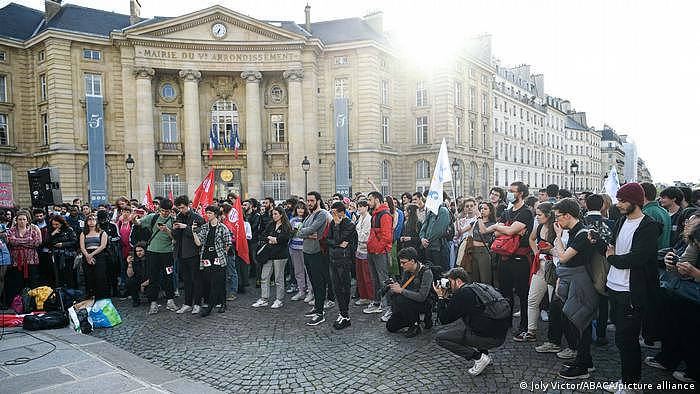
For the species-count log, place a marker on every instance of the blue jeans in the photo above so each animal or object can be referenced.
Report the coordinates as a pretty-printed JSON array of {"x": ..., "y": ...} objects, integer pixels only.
[{"x": 232, "y": 274}]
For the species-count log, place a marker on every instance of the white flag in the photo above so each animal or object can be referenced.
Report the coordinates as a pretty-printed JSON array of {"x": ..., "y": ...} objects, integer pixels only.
[
  {"x": 442, "y": 174},
  {"x": 612, "y": 184}
]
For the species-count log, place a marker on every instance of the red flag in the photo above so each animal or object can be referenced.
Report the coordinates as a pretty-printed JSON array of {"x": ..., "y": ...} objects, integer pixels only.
[
  {"x": 235, "y": 217},
  {"x": 148, "y": 198},
  {"x": 170, "y": 194},
  {"x": 204, "y": 195}
]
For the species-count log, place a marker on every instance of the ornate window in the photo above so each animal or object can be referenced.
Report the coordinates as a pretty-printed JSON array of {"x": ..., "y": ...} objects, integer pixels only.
[
  {"x": 385, "y": 92},
  {"x": 422, "y": 130},
  {"x": 277, "y": 128},
  {"x": 421, "y": 94},
  {"x": 167, "y": 92},
  {"x": 3, "y": 88},
  {"x": 385, "y": 177},
  {"x": 42, "y": 87},
  {"x": 341, "y": 87},
  {"x": 385, "y": 129},
  {"x": 472, "y": 178},
  {"x": 422, "y": 175},
  {"x": 93, "y": 85},
  {"x": 44, "y": 129},
  {"x": 276, "y": 94},
  {"x": 224, "y": 124},
  {"x": 168, "y": 128},
  {"x": 4, "y": 130}
]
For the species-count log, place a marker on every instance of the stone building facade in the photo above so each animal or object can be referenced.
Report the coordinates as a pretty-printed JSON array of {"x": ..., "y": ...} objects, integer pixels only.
[
  {"x": 612, "y": 152},
  {"x": 175, "y": 88}
]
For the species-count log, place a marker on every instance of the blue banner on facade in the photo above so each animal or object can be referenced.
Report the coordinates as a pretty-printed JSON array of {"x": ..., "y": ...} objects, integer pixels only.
[
  {"x": 342, "y": 160},
  {"x": 97, "y": 167}
]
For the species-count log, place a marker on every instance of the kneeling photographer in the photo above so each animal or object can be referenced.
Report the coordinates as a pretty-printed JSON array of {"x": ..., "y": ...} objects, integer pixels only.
[
  {"x": 484, "y": 311},
  {"x": 412, "y": 297}
]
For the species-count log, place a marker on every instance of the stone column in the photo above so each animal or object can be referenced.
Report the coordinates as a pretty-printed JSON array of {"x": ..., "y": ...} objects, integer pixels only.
[
  {"x": 146, "y": 162},
  {"x": 295, "y": 126},
  {"x": 253, "y": 130},
  {"x": 191, "y": 135}
]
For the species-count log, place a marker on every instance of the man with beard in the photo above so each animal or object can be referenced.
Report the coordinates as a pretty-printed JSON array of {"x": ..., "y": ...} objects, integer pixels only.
[
  {"x": 633, "y": 282},
  {"x": 311, "y": 230},
  {"x": 514, "y": 270}
]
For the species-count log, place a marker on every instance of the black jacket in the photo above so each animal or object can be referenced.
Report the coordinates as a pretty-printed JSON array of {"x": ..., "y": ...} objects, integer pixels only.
[
  {"x": 184, "y": 242},
  {"x": 279, "y": 250},
  {"x": 641, "y": 261},
  {"x": 68, "y": 240},
  {"x": 466, "y": 306},
  {"x": 339, "y": 232},
  {"x": 414, "y": 233}
]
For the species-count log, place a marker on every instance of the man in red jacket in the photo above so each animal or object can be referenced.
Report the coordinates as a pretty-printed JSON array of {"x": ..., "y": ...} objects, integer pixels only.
[{"x": 378, "y": 248}]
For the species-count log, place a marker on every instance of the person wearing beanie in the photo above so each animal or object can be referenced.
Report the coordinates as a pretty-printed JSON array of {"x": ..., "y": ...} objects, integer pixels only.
[{"x": 633, "y": 281}]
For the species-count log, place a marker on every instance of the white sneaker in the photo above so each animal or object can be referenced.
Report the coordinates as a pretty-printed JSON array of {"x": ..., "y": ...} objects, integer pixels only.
[
  {"x": 544, "y": 315},
  {"x": 516, "y": 314},
  {"x": 567, "y": 354},
  {"x": 480, "y": 365},
  {"x": 372, "y": 308},
  {"x": 328, "y": 304},
  {"x": 184, "y": 309},
  {"x": 613, "y": 387},
  {"x": 309, "y": 298},
  {"x": 171, "y": 306},
  {"x": 153, "y": 309},
  {"x": 362, "y": 301},
  {"x": 386, "y": 316},
  {"x": 683, "y": 377},
  {"x": 656, "y": 345},
  {"x": 195, "y": 310},
  {"x": 651, "y": 361},
  {"x": 276, "y": 305},
  {"x": 298, "y": 296},
  {"x": 260, "y": 302},
  {"x": 548, "y": 347}
]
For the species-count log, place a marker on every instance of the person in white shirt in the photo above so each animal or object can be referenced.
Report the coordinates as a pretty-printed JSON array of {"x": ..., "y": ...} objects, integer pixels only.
[{"x": 633, "y": 282}]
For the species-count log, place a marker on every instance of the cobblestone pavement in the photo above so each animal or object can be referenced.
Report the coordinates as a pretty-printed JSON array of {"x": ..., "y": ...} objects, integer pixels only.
[{"x": 267, "y": 350}]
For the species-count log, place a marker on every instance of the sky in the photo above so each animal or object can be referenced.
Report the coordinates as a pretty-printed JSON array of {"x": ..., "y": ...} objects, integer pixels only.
[{"x": 629, "y": 64}]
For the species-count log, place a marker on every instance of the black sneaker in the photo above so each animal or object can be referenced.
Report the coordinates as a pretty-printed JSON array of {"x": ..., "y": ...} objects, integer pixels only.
[
  {"x": 413, "y": 331},
  {"x": 572, "y": 363},
  {"x": 341, "y": 322},
  {"x": 316, "y": 320},
  {"x": 310, "y": 313},
  {"x": 574, "y": 373}
]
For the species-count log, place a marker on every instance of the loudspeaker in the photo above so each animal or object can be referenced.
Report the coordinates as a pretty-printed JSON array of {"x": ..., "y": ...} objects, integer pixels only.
[{"x": 44, "y": 186}]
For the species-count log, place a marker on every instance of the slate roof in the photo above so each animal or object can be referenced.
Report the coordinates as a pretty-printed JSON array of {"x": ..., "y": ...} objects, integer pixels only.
[
  {"x": 19, "y": 22},
  {"x": 572, "y": 124},
  {"x": 87, "y": 20},
  {"x": 345, "y": 30}
]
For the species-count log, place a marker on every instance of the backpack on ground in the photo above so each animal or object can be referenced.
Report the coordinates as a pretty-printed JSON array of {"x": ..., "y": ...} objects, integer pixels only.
[
  {"x": 598, "y": 268},
  {"x": 495, "y": 306},
  {"x": 48, "y": 320}
]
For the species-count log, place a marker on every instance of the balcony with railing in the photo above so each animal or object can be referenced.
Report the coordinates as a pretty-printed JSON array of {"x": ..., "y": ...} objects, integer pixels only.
[
  {"x": 527, "y": 100},
  {"x": 222, "y": 150},
  {"x": 276, "y": 148},
  {"x": 169, "y": 149}
]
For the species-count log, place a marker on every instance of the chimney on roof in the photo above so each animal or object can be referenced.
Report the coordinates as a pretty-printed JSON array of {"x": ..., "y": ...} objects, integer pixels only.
[
  {"x": 51, "y": 8},
  {"x": 307, "y": 14},
  {"x": 375, "y": 20},
  {"x": 135, "y": 15}
]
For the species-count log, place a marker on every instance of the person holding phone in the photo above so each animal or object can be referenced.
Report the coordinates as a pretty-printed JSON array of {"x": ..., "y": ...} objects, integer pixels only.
[
  {"x": 136, "y": 273},
  {"x": 159, "y": 255},
  {"x": 541, "y": 243},
  {"x": 214, "y": 239}
]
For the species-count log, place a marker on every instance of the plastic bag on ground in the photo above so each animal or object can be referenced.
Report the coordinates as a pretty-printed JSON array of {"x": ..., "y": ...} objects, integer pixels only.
[{"x": 104, "y": 314}]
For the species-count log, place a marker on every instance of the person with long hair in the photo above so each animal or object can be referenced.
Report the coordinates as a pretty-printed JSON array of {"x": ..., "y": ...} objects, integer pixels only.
[
  {"x": 296, "y": 254},
  {"x": 397, "y": 226},
  {"x": 63, "y": 244},
  {"x": 363, "y": 278},
  {"x": 93, "y": 245},
  {"x": 542, "y": 245},
  {"x": 276, "y": 235},
  {"x": 482, "y": 260},
  {"x": 23, "y": 238},
  {"x": 214, "y": 239}
]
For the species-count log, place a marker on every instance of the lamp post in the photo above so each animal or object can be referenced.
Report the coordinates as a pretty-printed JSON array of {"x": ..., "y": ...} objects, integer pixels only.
[
  {"x": 305, "y": 165},
  {"x": 130, "y": 163},
  {"x": 455, "y": 167},
  {"x": 574, "y": 169}
]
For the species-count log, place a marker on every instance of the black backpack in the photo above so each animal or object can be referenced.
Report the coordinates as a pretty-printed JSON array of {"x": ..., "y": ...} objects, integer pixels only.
[
  {"x": 45, "y": 321},
  {"x": 450, "y": 231},
  {"x": 495, "y": 306}
]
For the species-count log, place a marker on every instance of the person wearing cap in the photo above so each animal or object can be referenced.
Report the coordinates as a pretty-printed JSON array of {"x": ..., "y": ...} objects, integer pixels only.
[{"x": 633, "y": 281}]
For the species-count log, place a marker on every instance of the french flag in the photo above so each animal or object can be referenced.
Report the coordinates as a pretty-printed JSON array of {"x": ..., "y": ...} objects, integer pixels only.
[{"x": 213, "y": 140}]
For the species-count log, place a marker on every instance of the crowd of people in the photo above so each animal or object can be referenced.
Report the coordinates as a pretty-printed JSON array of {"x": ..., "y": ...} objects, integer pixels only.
[{"x": 578, "y": 262}]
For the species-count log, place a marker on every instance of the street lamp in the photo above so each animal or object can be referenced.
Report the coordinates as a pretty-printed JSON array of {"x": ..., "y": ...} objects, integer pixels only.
[
  {"x": 455, "y": 168},
  {"x": 305, "y": 165},
  {"x": 574, "y": 169},
  {"x": 130, "y": 163}
]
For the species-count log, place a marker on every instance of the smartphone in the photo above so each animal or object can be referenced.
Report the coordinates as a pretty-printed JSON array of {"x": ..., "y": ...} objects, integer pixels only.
[
  {"x": 675, "y": 259},
  {"x": 139, "y": 212}
]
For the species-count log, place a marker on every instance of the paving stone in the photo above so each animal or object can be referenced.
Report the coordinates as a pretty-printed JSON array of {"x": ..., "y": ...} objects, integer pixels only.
[
  {"x": 109, "y": 383},
  {"x": 90, "y": 367},
  {"x": 33, "y": 381}
]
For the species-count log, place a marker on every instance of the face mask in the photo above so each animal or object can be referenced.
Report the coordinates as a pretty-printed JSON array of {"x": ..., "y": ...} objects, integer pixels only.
[{"x": 510, "y": 197}]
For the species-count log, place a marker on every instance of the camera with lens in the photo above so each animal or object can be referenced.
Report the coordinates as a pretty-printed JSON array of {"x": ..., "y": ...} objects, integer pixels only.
[
  {"x": 443, "y": 283},
  {"x": 385, "y": 289}
]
